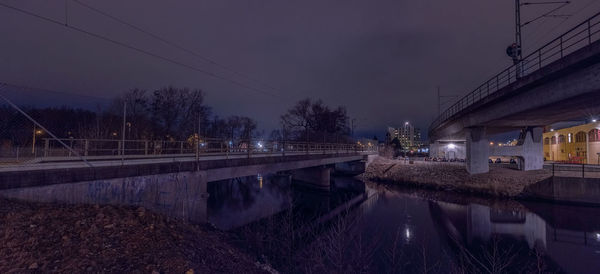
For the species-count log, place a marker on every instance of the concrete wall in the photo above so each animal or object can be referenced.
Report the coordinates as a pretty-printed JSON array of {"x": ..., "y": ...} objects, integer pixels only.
[
  {"x": 182, "y": 195},
  {"x": 573, "y": 190},
  {"x": 448, "y": 150},
  {"x": 314, "y": 177},
  {"x": 351, "y": 168},
  {"x": 530, "y": 153}
]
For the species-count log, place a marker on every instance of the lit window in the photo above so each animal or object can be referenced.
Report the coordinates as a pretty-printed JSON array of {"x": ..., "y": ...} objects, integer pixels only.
[{"x": 570, "y": 138}]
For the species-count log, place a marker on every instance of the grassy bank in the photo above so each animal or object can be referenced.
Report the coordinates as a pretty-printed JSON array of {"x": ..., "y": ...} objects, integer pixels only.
[
  {"x": 499, "y": 182},
  {"x": 86, "y": 238}
]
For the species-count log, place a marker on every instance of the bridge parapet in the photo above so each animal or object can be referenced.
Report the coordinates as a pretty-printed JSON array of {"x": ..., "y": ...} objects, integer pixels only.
[{"x": 573, "y": 40}]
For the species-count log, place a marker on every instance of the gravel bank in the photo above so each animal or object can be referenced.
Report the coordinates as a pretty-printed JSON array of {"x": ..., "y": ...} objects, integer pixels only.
[
  {"x": 42, "y": 238},
  {"x": 499, "y": 182}
]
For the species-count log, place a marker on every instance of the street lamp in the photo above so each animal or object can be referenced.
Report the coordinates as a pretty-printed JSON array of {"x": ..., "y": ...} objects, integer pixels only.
[{"x": 35, "y": 132}]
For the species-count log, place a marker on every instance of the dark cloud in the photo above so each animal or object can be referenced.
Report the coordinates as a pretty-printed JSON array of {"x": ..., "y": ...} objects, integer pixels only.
[{"x": 382, "y": 59}]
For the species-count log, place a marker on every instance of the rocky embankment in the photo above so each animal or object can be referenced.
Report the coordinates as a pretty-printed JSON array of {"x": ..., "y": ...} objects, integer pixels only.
[
  {"x": 42, "y": 238},
  {"x": 500, "y": 182}
]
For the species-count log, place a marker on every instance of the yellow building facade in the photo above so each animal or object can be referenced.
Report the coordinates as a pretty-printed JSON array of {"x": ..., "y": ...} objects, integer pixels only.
[{"x": 578, "y": 144}]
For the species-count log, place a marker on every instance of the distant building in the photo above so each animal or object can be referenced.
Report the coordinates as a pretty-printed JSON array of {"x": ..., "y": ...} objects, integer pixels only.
[
  {"x": 579, "y": 144},
  {"x": 408, "y": 135}
]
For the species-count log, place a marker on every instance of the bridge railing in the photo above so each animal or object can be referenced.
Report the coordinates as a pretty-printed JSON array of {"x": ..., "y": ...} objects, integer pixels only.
[
  {"x": 574, "y": 39},
  {"x": 51, "y": 149}
]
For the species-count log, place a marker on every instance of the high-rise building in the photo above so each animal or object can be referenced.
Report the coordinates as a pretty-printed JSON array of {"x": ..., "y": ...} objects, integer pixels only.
[{"x": 408, "y": 135}]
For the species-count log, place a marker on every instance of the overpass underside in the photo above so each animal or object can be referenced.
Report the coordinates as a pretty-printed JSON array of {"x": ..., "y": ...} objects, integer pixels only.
[{"x": 565, "y": 90}]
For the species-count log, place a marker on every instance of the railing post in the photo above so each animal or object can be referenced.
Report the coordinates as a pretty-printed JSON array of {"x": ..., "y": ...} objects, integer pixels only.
[
  {"x": 589, "y": 32},
  {"x": 561, "y": 47},
  {"x": 248, "y": 148},
  {"x": 552, "y": 169},
  {"x": 46, "y": 147},
  {"x": 582, "y": 170},
  {"x": 181, "y": 148},
  {"x": 86, "y": 147}
]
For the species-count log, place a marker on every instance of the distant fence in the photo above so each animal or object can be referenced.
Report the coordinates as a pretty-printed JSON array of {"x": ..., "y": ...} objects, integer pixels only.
[
  {"x": 574, "y": 170},
  {"x": 51, "y": 149}
]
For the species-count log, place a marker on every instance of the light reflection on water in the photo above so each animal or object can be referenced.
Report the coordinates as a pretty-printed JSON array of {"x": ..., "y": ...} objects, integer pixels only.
[{"x": 568, "y": 235}]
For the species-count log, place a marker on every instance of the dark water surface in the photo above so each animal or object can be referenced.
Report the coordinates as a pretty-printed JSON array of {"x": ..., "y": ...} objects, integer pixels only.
[
  {"x": 406, "y": 230},
  {"x": 362, "y": 227}
]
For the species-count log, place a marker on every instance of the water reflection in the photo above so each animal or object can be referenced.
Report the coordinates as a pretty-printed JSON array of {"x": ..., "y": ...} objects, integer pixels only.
[
  {"x": 237, "y": 202},
  {"x": 419, "y": 227},
  {"x": 567, "y": 235},
  {"x": 437, "y": 230}
]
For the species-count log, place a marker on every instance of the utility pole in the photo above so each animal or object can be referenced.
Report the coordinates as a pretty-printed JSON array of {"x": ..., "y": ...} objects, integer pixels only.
[
  {"x": 518, "y": 38},
  {"x": 123, "y": 132},
  {"x": 515, "y": 51},
  {"x": 33, "y": 145},
  {"x": 198, "y": 142},
  {"x": 439, "y": 103},
  {"x": 352, "y": 125}
]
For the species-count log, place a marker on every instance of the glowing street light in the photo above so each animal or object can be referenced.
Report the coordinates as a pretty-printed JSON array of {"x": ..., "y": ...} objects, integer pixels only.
[{"x": 451, "y": 146}]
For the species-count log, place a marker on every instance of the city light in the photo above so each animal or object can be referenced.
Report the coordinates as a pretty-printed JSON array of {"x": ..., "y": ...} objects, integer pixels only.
[
  {"x": 594, "y": 120},
  {"x": 491, "y": 143},
  {"x": 260, "y": 145},
  {"x": 551, "y": 129},
  {"x": 451, "y": 146}
]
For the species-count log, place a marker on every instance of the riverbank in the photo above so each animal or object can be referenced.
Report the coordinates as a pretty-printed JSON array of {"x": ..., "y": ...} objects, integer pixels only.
[
  {"x": 499, "y": 182},
  {"x": 37, "y": 237}
]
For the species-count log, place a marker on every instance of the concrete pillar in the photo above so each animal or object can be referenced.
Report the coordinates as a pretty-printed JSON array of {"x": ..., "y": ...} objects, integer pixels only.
[
  {"x": 434, "y": 149},
  {"x": 477, "y": 150},
  {"x": 314, "y": 177},
  {"x": 351, "y": 168},
  {"x": 533, "y": 149}
]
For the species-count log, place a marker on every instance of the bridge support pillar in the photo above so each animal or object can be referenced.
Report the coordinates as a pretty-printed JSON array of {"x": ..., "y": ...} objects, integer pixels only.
[
  {"x": 314, "y": 177},
  {"x": 351, "y": 168},
  {"x": 533, "y": 149},
  {"x": 477, "y": 151}
]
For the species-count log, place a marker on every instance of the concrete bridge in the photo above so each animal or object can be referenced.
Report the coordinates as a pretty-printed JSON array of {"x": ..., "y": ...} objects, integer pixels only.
[
  {"x": 137, "y": 181},
  {"x": 558, "y": 82}
]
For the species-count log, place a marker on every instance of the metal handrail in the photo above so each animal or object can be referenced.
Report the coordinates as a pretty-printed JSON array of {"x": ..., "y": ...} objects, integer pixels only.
[
  {"x": 533, "y": 62},
  {"x": 204, "y": 146}
]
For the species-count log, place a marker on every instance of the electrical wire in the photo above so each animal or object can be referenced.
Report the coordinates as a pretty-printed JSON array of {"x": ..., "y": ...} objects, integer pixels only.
[
  {"x": 170, "y": 43},
  {"x": 122, "y": 44}
]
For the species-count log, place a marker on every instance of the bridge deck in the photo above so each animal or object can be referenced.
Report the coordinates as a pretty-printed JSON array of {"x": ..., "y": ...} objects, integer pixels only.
[{"x": 217, "y": 167}]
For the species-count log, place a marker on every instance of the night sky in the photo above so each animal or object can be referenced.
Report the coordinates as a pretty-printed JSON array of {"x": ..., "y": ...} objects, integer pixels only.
[{"x": 381, "y": 59}]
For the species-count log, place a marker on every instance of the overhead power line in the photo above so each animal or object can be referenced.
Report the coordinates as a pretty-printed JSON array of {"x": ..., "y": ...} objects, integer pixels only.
[
  {"x": 173, "y": 44},
  {"x": 122, "y": 44}
]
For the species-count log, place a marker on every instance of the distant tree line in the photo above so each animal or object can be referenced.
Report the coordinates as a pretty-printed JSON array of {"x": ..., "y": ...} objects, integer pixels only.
[
  {"x": 169, "y": 113},
  {"x": 313, "y": 121}
]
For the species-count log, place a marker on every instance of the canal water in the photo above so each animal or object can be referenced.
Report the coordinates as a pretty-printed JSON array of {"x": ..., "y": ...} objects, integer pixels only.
[
  {"x": 362, "y": 227},
  {"x": 375, "y": 228}
]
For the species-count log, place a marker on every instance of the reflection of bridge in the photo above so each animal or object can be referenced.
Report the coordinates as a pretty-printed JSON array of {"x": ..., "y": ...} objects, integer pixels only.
[
  {"x": 566, "y": 234},
  {"x": 555, "y": 83}
]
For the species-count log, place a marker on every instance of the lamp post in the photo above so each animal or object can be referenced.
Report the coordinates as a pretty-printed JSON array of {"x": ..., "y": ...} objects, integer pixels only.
[{"x": 35, "y": 133}]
